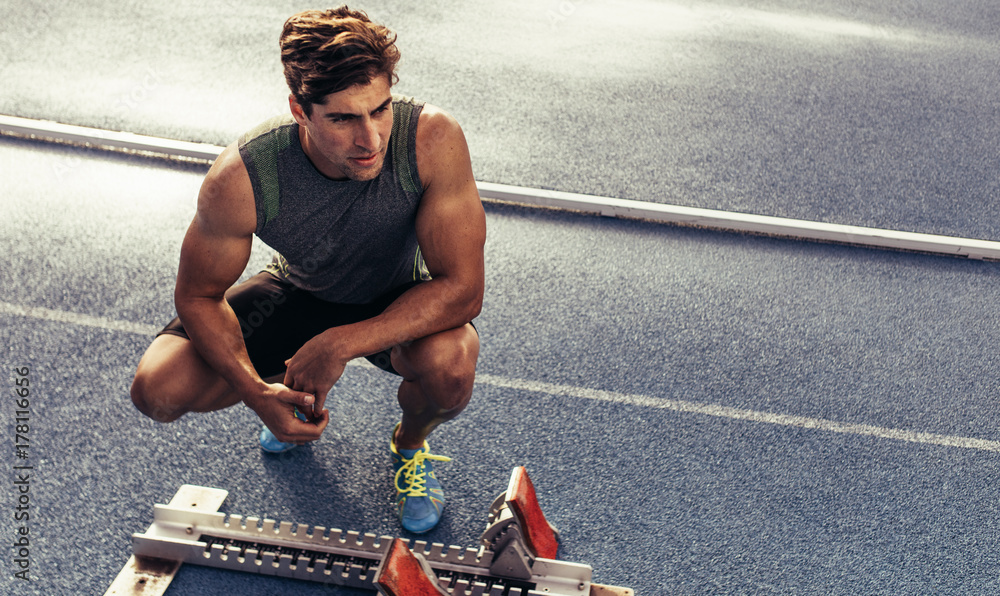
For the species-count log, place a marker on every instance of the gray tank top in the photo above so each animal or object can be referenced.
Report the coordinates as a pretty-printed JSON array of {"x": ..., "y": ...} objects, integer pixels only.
[{"x": 343, "y": 240}]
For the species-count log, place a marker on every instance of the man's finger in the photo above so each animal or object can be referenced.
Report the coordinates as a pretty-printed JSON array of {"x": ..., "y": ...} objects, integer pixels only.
[
  {"x": 321, "y": 399},
  {"x": 321, "y": 420},
  {"x": 298, "y": 398},
  {"x": 301, "y": 431}
]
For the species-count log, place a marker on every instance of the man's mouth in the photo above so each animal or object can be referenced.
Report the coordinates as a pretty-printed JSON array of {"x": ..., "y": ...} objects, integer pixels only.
[{"x": 365, "y": 161}]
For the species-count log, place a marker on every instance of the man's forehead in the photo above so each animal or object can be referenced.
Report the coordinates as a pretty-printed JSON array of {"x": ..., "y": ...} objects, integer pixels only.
[{"x": 358, "y": 99}]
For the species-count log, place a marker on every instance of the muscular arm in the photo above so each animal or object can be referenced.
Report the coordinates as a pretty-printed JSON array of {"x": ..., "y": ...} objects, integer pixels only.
[
  {"x": 215, "y": 252},
  {"x": 451, "y": 231}
]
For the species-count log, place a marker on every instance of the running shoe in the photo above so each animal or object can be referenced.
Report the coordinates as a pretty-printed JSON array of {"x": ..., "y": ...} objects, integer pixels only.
[
  {"x": 419, "y": 497},
  {"x": 271, "y": 444}
]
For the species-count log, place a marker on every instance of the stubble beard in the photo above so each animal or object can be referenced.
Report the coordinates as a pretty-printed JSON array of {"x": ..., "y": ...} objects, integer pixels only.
[{"x": 363, "y": 174}]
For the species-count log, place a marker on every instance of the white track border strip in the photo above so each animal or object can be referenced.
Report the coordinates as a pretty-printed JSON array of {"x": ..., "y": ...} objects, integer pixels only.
[
  {"x": 638, "y": 400},
  {"x": 744, "y": 222},
  {"x": 605, "y": 206},
  {"x": 69, "y": 133}
]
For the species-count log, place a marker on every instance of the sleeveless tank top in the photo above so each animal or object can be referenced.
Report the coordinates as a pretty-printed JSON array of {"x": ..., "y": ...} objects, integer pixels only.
[{"x": 345, "y": 241}]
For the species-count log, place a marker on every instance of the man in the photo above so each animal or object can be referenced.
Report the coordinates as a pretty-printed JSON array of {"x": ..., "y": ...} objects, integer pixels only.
[{"x": 370, "y": 201}]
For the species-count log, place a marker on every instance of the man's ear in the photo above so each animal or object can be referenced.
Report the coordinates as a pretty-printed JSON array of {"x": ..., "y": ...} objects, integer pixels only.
[{"x": 297, "y": 112}]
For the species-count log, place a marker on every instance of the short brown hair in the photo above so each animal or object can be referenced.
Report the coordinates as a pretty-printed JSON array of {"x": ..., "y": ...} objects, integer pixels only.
[{"x": 326, "y": 51}]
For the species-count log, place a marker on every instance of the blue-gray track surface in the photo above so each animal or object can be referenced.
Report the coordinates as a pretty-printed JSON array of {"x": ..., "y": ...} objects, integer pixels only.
[
  {"x": 702, "y": 413},
  {"x": 872, "y": 113}
]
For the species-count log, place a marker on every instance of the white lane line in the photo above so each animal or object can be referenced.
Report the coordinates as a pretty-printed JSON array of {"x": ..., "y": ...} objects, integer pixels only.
[
  {"x": 645, "y": 401},
  {"x": 798, "y": 229},
  {"x": 738, "y": 414},
  {"x": 60, "y": 316}
]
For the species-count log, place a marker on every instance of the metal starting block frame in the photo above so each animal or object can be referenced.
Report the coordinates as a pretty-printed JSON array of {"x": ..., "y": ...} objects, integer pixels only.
[{"x": 516, "y": 556}]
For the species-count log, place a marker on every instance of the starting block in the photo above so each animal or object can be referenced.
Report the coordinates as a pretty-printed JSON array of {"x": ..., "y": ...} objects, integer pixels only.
[{"x": 516, "y": 555}]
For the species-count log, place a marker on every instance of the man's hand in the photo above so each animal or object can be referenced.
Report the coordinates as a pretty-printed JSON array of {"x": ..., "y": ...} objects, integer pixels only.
[
  {"x": 276, "y": 408},
  {"x": 315, "y": 368}
]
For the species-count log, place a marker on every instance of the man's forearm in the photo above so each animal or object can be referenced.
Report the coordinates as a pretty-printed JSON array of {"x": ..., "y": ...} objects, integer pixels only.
[
  {"x": 425, "y": 309},
  {"x": 215, "y": 332}
]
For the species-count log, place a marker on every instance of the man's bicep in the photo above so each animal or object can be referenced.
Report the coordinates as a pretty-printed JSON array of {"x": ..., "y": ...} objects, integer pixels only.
[
  {"x": 217, "y": 245},
  {"x": 210, "y": 261},
  {"x": 451, "y": 225},
  {"x": 452, "y": 237}
]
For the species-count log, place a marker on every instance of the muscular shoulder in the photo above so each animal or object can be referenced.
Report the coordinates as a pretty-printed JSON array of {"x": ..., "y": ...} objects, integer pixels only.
[
  {"x": 442, "y": 151},
  {"x": 225, "y": 201}
]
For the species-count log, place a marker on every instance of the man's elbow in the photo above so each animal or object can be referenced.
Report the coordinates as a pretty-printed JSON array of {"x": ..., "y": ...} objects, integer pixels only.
[
  {"x": 472, "y": 302},
  {"x": 474, "y": 308},
  {"x": 187, "y": 302}
]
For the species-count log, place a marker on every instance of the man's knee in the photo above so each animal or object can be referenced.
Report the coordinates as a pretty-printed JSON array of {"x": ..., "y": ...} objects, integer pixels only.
[
  {"x": 445, "y": 367},
  {"x": 146, "y": 400},
  {"x": 452, "y": 384},
  {"x": 172, "y": 380},
  {"x": 160, "y": 390}
]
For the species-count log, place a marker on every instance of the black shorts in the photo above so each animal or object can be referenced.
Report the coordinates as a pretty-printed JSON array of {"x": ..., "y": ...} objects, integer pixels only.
[{"x": 277, "y": 318}]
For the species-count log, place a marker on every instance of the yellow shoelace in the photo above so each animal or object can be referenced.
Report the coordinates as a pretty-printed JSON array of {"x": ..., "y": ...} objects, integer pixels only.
[{"x": 415, "y": 480}]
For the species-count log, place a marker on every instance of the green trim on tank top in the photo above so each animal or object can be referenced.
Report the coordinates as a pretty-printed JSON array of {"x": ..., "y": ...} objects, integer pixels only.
[
  {"x": 264, "y": 144},
  {"x": 402, "y": 110}
]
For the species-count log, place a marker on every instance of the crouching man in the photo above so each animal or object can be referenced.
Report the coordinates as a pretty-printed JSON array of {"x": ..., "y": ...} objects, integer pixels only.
[{"x": 370, "y": 202}]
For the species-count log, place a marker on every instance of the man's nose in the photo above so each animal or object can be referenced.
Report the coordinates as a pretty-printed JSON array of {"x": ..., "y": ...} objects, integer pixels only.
[{"x": 367, "y": 136}]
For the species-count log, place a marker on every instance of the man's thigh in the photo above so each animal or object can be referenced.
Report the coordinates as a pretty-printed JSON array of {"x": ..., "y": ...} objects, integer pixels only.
[{"x": 276, "y": 319}]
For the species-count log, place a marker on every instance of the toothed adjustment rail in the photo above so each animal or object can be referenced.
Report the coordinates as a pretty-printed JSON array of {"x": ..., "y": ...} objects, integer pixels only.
[{"x": 507, "y": 562}]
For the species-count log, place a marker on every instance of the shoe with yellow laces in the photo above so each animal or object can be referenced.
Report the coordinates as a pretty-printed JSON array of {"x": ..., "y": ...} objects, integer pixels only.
[{"x": 419, "y": 497}]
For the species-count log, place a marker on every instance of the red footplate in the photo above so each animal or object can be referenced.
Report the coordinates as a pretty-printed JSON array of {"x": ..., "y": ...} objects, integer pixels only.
[
  {"x": 402, "y": 574},
  {"x": 536, "y": 529}
]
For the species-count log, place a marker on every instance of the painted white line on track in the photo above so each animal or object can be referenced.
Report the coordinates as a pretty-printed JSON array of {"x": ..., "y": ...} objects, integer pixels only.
[
  {"x": 607, "y": 206},
  {"x": 737, "y": 414},
  {"x": 639, "y": 400},
  {"x": 60, "y": 316}
]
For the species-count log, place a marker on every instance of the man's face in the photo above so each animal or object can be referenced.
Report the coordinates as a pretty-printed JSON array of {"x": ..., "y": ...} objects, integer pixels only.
[{"x": 347, "y": 135}]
